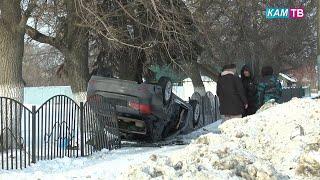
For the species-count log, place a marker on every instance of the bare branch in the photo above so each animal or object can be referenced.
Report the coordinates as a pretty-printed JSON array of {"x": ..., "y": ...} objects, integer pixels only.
[
  {"x": 42, "y": 38},
  {"x": 27, "y": 13}
]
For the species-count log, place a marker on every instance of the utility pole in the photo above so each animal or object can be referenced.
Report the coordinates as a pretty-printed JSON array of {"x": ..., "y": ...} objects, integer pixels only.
[{"x": 318, "y": 45}]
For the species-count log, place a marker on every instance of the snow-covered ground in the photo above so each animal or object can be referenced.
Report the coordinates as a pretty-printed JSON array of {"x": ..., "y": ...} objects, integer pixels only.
[
  {"x": 280, "y": 142},
  {"x": 101, "y": 165}
]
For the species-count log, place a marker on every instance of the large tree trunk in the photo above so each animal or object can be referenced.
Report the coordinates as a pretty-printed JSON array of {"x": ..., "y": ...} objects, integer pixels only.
[
  {"x": 11, "y": 54},
  {"x": 196, "y": 79},
  {"x": 76, "y": 53},
  {"x": 131, "y": 64},
  {"x": 12, "y": 29},
  {"x": 11, "y": 49},
  {"x": 318, "y": 46},
  {"x": 11, "y": 85},
  {"x": 76, "y": 61}
]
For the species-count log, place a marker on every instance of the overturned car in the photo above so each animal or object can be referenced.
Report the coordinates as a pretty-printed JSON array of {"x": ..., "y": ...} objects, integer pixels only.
[{"x": 149, "y": 111}]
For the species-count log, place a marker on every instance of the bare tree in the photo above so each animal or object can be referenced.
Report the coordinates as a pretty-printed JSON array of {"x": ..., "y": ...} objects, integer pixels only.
[
  {"x": 145, "y": 33},
  {"x": 238, "y": 32},
  {"x": 40, "y": 65},
  {"x": 71, "y": 39}
]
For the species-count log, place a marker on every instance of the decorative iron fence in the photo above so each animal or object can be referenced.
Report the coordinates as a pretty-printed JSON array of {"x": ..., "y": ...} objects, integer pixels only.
[
  {"x": 209, "y": 108},
  {"x": 210, "y": 104},
  {"x": 58, "y": 128},
  {"x": 291, "y": 92}
]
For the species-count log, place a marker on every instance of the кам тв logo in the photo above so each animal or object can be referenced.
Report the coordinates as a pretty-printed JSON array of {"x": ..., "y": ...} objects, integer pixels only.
[{"x": 284, "y": 13}]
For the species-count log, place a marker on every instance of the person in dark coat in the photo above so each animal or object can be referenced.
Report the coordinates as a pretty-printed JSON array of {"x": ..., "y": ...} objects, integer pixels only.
[
  {"x": 231, "y": 94},
  {"x": 269, "y": 87},
  {"x": 250, "y": 87}
]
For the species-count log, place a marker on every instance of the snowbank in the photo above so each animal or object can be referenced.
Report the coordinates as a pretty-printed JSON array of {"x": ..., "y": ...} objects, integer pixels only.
[
  {"x": 101, "y": 165},
  {"x": 281, "y": 142}
]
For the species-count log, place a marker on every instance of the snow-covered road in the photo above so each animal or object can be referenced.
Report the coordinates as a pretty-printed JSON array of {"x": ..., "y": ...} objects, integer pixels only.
[{"x": 101, "y": 165}]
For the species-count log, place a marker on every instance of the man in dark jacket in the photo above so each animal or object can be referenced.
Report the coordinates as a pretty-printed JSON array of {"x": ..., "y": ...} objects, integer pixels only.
[
  {"x": 231, "y": 94},
  {"x": 269, "y": 86},
  {"x": 250, "y": 87}
]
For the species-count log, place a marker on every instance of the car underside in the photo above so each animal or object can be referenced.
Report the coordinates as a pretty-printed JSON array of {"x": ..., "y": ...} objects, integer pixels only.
[{"x": 144, "y": 111}]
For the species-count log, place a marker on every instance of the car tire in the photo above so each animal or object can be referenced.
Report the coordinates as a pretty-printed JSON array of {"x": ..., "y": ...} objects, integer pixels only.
[
  {"x": 195, "y": 112},
  {"x": 166, "y": 86}
]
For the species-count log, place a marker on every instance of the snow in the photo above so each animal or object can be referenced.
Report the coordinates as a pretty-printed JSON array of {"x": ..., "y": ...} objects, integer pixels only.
[
  {"x": 105, "y": 164},
  {"x": 280, "y": 142},
  {"x": 315, "y": 95},
  {"x": 101, "y": 165},
  {"x": 288, "y": 78}
]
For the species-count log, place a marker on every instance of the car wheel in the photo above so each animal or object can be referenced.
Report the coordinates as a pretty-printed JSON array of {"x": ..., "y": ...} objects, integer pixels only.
[
  {"x": 196, "y": 112},
  {"x": 166, "y": 86}
]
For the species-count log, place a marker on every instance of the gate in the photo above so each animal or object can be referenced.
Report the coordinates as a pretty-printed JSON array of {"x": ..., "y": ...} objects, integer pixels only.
[{"x": 58, "y": 128}]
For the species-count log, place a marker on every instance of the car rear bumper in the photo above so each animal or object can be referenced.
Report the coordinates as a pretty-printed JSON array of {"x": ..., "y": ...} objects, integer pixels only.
[{"x": 129, "y": 125}]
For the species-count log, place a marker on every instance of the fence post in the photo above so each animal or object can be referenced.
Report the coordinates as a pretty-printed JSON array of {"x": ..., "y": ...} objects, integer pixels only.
[
  {"x": 203, "y": 115},
  {"x": 215, "y": 108},
  {"x": 33, "y": 135},
  {"x": 81, "y": 128}
]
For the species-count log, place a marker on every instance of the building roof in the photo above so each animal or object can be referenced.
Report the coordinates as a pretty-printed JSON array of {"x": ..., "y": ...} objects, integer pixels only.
[{"x": 288, "y": 78}]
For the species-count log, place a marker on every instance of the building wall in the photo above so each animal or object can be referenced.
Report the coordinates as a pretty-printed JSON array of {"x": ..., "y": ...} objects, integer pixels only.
[{"x": 186, "y": 90}]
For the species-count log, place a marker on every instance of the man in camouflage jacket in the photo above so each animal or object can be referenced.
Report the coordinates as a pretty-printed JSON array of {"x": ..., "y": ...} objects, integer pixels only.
[{"x": 269, "y": 87}]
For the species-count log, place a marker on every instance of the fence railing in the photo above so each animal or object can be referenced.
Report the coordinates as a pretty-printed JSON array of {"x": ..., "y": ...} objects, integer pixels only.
[
  {"x": 209, "y": 108},
  {"x": 291, "y": 92},
  {"x": 58, "y": 128}
]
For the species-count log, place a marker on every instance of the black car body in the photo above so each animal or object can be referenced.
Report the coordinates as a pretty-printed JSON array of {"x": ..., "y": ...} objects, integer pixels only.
[{"x": 145, "y": 110}]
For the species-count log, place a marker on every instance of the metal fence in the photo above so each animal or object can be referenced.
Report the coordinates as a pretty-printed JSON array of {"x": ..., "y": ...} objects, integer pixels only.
[
  {"x": 209, "y": 108},
  {"x": 291, "y": 92},
  {"x": 58, "y": 128}
]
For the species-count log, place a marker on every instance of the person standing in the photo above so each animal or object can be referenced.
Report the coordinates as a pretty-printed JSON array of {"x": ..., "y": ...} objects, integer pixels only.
[
  {"x": 269, "y": 87},
  {"x": 231, "y": 94},
  {"x": 250, "y": 87}
]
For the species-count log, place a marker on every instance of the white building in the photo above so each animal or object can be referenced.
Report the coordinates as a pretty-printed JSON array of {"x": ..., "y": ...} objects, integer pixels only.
[{"x": 186, "y": 90}]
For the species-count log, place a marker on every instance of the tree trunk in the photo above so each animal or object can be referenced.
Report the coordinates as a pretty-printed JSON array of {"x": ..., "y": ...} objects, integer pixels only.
[
  {"x": 131, "y": 65},
  {"x": 11, "y": 86},
  {"x": 76, "y": 61},
  {"x": 196, "y": 79},
  {"x": 76, "y": 53},
  {"x": 318, "y": 46},
  {"x": 11, "y": 55}
]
